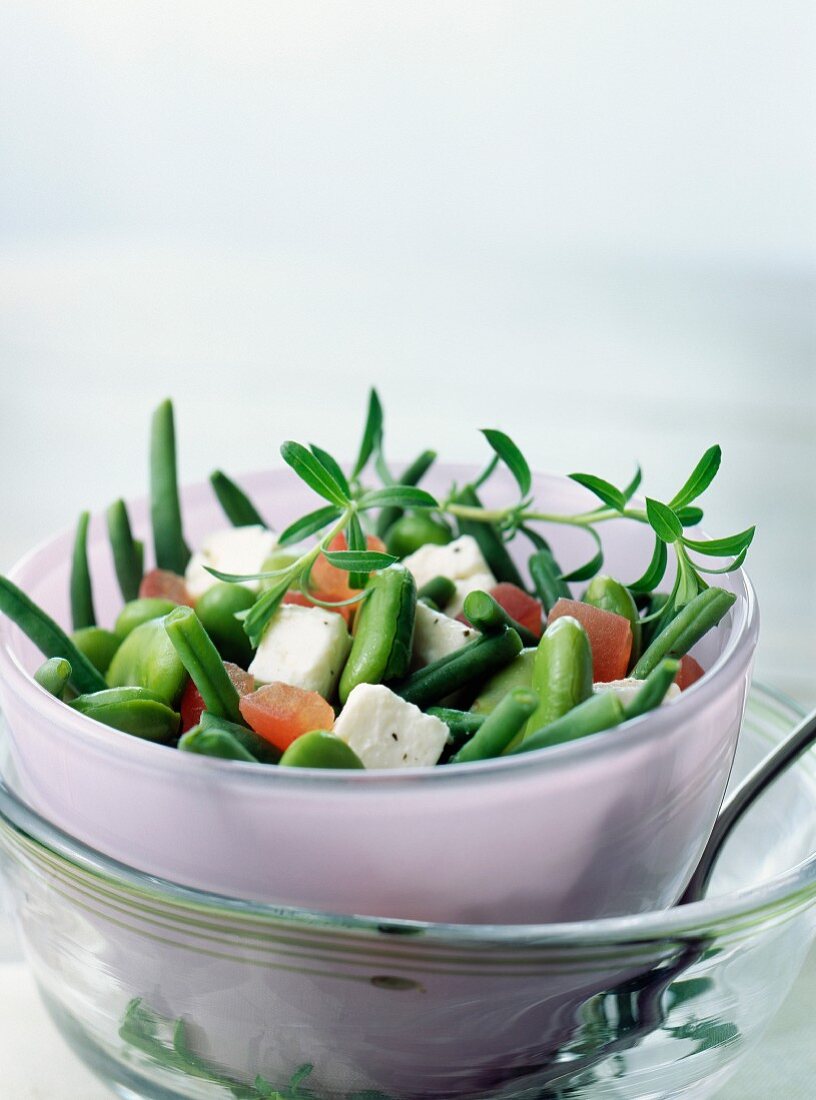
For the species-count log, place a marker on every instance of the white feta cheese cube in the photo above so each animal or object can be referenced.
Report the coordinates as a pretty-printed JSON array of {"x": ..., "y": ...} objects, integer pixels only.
[
  {"x": 436, "y": 635},
  {"x": 459, "y": 559},
  {"x": 231, "y": 550},
  {"x": 303, "y": 646},
  {"x": 627, "y": 689},
  {"x": 479, "y": 582},
  {"x": 387, "y": 732}
]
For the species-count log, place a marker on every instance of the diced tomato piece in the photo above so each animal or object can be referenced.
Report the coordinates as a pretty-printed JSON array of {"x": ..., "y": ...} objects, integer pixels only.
[
  {"x": 526, "y": 610},
  {"x": 610, "y": 637},
  {"x": 690, "y": 672},
  {"x": 192, "y": 705},
  {"x": 330, "y": 583},
  {"x": 281, "y": 713},
  {"x": 166, "y": 586}
]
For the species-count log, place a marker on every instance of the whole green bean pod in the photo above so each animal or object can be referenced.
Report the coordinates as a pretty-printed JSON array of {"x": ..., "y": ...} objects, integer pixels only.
[
  {"x": 214, "y": 742},
  {"x": 546, "y": 575},
  {"x": 238, "y": 508},
  {"x": 47, "y": 636},
  {"x": 82, "y": 608},
  {"x": 461, "y": 724},
  {"x": 610, "y": 595},
  {"x": 438, "y": 591},
  {"x": 128, "y": 553},
  {"x": 686, "y": 628},
  {"x": 562, "y": 672},
  {"x": 172, "y": 552},
  {"x": 384, "y": 632},
  {"x": 203, "y": 662},
  {"x": 485, "y": 613},
  {"x": 654, "y": 688},
  {"x": 490, "y": 541},
  {"x": 411, "y": 475},
  {"x": 499, "y": 728},
  {"x": 53, "y": 675},
  {"x": 133, "y": 710},
  {"x": 263, "y": 751},
  {"x": 469, "y": 665},
  {"x": 599, "y": 712}
]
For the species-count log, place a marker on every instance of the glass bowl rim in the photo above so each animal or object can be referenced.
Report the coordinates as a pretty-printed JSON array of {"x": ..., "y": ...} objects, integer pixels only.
[
  {"x": 675, "y": 922},
  {"x": 649, "y": 726}
]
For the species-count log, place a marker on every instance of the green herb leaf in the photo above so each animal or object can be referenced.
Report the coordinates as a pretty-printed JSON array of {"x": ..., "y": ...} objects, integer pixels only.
[
  {"x": 663, "y": 521},
  {"x": 403, "y": 496},
  {"x": 633, "y": 486},
  {"x": 332, "y": 466},
  {"x": 309, "y": 525},
  {"x": 689, "y": 515},
  {"x": 358, "y": 561},
  {"x": 604, "y": 490},
  {"x": 356, "y": 542},
  {"x": 700, "y": 478},
  {"x": 720, "y": 548},
  {"x": 486, "y": 473},
  {"x": 258, "y": 617},
  {"x": 313, "y": 472},
  {"x": 511, "y": 456},
  {"x": 655, "y": 571},
  {"x": 588, "y": 569},
  {"x": 372, "y": 434},
  {"x": 538, "y": 541},
  {"x": 731, "y": 567}
]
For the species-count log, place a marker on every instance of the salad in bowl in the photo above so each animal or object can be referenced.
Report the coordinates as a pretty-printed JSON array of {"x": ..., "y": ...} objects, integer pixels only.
[{"x": 373, "y": 683}]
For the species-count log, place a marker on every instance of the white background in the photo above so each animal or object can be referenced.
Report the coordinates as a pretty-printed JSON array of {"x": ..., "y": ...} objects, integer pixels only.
[{"x": 590, "y": 224}]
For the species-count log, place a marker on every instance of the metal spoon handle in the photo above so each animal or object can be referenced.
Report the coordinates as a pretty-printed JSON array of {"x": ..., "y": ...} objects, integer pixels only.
[{"x": 801, "y": 738}]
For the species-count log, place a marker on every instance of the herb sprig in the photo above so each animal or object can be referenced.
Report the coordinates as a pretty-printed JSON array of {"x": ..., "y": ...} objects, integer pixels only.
[{"x": 348, "y": 499}]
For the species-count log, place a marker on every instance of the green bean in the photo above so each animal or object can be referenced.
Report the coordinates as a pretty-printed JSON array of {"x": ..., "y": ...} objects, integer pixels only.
[
  {"x": 384, "y": 631},
  {"x": 461, "y": 724},
  {"x": 172, "y": 551},
  {"x": 468, "y": 665},
  {"x": 686, "y": 628},
  {"x": 98, "y": 645},
  {"x": 238, "y": 508},
  {"x": 82, "y": 608},
  {"x": 490, "y": 541},
  {"x": 599, "y": 712},
  {"x": 655, "y": 604},
  {"x": 499, "y": 728},
  {"x": 140, "y": 611},
  {"x": 411, "y": 475},
  {"x": 610, "y": 595},
  {"x": 146, "y": 658},
  {"x": 217, "y": 609},
  {"x": 133, "y": 710},
  {"x": 519, "y": 673},
  {"x": 438, "y": 590},
  {"x": 214, "y": 742},
  {"x": 53, "y": 675},
  {"x": 263, "y": 751},
  {"x": 320, "y": 749},
  {"x": 562, "y": 673},
  {"x": 485, "y": 613},
  {"x": 128, "y": 553},
  {"x": 47, "y": 636},
  {"x": 546, "y": 575},
  {"x": 654, "y": 688},
  {"x": 200, "y": 657}
]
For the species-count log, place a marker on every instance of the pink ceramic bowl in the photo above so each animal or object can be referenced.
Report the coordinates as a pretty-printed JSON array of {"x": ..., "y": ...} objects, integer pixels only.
[{"x": 608, "y": 825}]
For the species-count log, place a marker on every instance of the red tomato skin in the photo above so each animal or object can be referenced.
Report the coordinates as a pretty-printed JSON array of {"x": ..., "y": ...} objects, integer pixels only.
[
  {"x": 192, "y": 705},
  {"x": 165, "y": 585},
  {"x": 690, "y": 672},
  {"x": 610, "y": 637},
  {"x": 526, "y": 610}
]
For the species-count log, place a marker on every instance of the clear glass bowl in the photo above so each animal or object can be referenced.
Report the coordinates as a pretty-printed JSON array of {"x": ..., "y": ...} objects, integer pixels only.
[{"x": 168, "y": 992}]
